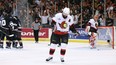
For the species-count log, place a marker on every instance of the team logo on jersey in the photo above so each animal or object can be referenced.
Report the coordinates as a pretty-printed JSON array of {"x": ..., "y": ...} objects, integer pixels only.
[{"x": 63, "y": 25}]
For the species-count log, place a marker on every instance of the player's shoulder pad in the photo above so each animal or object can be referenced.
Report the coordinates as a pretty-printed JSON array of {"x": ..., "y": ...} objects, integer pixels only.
[{"x": 58, "y": 15}]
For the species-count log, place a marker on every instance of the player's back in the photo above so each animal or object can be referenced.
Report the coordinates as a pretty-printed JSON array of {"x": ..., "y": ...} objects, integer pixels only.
[{"x": 6, "y": 21}]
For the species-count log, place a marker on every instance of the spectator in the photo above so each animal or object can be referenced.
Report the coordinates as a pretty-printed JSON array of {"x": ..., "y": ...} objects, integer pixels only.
[
  {"x": 44, "y": 18},
  {"x": 101, "y": 21},
  {"x": 32, "y": 8}
]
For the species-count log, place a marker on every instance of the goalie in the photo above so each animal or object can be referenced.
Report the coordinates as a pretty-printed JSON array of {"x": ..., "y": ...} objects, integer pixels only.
[{"x": 91, "y": 29}]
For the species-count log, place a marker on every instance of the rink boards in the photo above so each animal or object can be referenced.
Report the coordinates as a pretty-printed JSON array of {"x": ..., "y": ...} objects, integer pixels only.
[{"x": 45, "y": 33}]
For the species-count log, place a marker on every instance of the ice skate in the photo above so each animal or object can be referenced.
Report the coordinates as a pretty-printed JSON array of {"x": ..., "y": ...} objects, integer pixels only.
[
  {"x": 8, "y": 47},
  {"x": 20, "y": 47},
  {"x": 36, "y": 42},
  {"x": 49, "y": 58},
  {"x": 62, "y": 59}
]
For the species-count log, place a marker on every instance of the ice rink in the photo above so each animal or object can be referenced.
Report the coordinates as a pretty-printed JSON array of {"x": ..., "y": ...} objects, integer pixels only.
[{"x": 77, "y": 54}]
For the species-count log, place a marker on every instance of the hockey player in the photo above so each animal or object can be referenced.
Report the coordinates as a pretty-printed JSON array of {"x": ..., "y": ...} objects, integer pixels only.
[
  {"x": 5, "y": 29},
  {"x": 91, "y": 28},
  {"x": 16, "y": 28},
  {"x": 62, "y": 23},
  {"x": 1, "y": 43}
]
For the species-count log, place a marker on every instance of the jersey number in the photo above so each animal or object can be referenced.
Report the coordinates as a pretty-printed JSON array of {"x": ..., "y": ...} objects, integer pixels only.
[{"x": 3, "y": 22}]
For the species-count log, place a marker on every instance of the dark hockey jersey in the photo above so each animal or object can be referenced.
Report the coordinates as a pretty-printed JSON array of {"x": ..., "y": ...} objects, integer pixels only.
[{"x": 5, "y": 22}]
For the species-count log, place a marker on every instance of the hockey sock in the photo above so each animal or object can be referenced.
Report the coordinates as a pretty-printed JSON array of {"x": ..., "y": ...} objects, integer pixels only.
[
  {"x": 62, "y": 52},
  {"x": 51, "y": 52},
  {"x": 52, "y": 49},
  {"x": 63, "y": 49}
]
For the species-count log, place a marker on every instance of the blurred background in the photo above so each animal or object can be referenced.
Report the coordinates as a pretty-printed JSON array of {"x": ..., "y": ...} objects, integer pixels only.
[{"x": 81, "y": 11}]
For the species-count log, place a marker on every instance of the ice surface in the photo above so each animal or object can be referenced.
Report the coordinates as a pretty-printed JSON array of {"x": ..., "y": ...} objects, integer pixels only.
[{"x": 77, "y": 54}]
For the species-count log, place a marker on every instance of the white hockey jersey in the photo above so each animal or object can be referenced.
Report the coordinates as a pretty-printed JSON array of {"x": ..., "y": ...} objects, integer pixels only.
[
  {"x": 93, "y": 23},
  {"x": 62, "y": 25}
]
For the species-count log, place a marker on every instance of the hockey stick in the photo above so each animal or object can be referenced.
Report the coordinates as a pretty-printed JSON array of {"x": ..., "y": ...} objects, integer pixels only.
[
  {"x": 17, "y": 30},
  {"x": 12, "y": 30},
  {"x": 4, "y": 28},
  {"x": 7, "y": 34}
]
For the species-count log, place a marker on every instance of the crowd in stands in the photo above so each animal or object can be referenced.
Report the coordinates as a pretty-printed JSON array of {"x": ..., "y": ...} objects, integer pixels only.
[
  {"x": 80, "y": 11},
  {"x": 6, "y": 5}
]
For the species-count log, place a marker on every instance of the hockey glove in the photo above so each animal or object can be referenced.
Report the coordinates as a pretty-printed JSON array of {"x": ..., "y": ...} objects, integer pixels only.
[{"x": 76, "y": 34}]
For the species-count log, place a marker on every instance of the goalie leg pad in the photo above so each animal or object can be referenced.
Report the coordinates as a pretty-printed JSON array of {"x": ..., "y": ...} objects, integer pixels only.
[
  {"x": 89, "y": 33},
  {"x": 92, "y": 40}
]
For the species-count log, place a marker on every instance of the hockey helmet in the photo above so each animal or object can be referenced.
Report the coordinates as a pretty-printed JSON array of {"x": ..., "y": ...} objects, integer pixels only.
[{"x": 66, "y": 11}]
